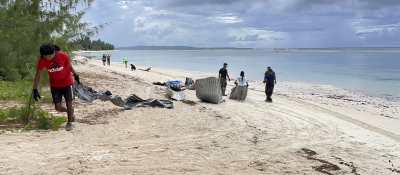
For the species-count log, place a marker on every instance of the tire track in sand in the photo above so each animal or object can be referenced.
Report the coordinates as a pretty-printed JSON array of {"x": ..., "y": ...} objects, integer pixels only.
[
  {"x": 293, "y": 123},
  {"x": 348, "y": 119}
]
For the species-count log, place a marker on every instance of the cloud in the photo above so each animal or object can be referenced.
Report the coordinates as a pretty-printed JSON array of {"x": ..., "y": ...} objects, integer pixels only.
[
  {"x": 385, "y": 37},
  {"x": 288, "y": 5},
  {"x": 253, "y": 37},
  {"x": 231, "y": 38},
  {"x": 244, "y": 23},
  {"x": 183, "y": 3}
]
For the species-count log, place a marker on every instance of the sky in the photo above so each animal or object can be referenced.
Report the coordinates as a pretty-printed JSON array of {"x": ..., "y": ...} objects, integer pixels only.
[{"x": 248, "y": 23}]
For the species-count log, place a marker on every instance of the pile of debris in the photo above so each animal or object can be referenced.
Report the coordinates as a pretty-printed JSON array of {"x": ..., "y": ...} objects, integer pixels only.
[{"x": 88, "y": 94}]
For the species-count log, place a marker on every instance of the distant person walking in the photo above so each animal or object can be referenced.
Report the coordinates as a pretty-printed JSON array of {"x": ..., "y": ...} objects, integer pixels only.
[
  {"x": 125, "y": 60},
  {"x": 242, "y": 84},
  {"x": 223, "y": 73},
  {"x": 104, "y": 58},
  {"x": 270, "y": 81},
  {"x": 108, "y": 59}
]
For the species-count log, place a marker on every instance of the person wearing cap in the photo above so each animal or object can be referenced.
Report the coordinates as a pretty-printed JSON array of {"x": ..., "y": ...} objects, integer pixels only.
[
  {"x": 59, "y": 68},
  {"x": 270, "y": 81},
  {"x": 222, "y": 75}
]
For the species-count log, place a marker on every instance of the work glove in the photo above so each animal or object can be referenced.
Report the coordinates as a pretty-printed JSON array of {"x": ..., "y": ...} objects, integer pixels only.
[
  {"x": 76, "y": 77},
  {"x": 36, "y": 94}
]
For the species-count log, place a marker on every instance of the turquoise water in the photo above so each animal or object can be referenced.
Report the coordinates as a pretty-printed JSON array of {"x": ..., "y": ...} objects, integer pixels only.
[{"x": 374, "y": 72}]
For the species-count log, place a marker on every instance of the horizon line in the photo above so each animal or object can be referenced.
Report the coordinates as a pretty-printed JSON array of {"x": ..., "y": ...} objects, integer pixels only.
[{"x": 224, "y": 47}]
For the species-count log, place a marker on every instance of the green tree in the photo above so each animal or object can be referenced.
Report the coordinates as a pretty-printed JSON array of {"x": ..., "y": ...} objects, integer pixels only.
[{"x": 25, "y": 24}]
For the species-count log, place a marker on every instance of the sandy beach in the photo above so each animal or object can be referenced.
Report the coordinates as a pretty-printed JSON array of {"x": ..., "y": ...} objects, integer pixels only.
[{"x": 308, "y": 129}]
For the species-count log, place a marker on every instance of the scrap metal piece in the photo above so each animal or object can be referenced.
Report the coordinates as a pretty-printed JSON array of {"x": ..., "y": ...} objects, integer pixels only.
[
  {"x": 234, "y": 93},
  {"x": 209, "y": 90},
  {"x": 85, "y": 93},
  {"x": 105, "y": 95},
  {"x": 190, "y": 84},
  {"x": 157, "y": 102},
  {"x": 174, "y": 94},
  {"x": 88, "y": 94},
  {"x": 132, "y": 101}
]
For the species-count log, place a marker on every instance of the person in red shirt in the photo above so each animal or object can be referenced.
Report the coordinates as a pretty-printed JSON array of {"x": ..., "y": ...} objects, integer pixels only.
[{"x": 59, "y": 68}]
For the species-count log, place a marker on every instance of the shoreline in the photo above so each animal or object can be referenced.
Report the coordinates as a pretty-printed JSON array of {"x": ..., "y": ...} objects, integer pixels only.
[
  {"x": 323, "y": 94},
  {"x": 375, "y": 94}
]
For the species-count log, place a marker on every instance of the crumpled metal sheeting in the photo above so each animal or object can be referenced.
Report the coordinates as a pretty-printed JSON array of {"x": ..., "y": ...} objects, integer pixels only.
[
  {"x": 159, "y": 102},
  {"x": 188, "y": 81},
  {"x": 176, "y": 95},
  {"x": 134, "y": 98},
  {"x": 190, "y": 84},
  {"x": 88, "y": 94},
  {"x": 234, "y": 93},
  {"x": 85, "y": 93},
  {"x": 105, "y": 95},
  {"x": 209, "y": 90},
  {"x": 134, "y": 101}
]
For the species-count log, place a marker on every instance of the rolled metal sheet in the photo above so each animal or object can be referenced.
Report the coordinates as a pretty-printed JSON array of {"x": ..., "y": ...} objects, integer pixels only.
[
  {"x": 209, "y": 90},
  {"x": 234, "y": 93},
  {"x": 88, "y": 94}
]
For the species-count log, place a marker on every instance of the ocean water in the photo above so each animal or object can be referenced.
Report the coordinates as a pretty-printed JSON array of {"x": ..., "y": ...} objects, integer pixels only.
[{"x": 374, "y": 72}]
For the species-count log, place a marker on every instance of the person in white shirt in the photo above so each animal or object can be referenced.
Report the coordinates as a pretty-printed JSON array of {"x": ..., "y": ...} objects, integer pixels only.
[{"x": 242, "y": 84}]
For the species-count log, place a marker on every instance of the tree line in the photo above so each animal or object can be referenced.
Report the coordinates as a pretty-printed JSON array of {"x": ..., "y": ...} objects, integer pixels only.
[{"x": 87, "y": 44}]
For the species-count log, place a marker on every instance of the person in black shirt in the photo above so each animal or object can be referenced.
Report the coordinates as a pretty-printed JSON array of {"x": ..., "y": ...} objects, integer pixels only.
[
  {"x": 104, "y": 59},
  {"x": 270, "y": 81},
  {"x": 223, "y": 73}
]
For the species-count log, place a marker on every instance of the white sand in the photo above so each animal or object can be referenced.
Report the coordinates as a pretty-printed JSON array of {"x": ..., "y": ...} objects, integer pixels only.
[{"x": 253, "y": 137}]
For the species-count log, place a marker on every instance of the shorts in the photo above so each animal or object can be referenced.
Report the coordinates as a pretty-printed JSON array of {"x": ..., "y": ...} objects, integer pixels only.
[
  {"x": 125, "y": 61},
  {"x": 58, "y": 93},
  {"x": 104, "y": 60}
]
